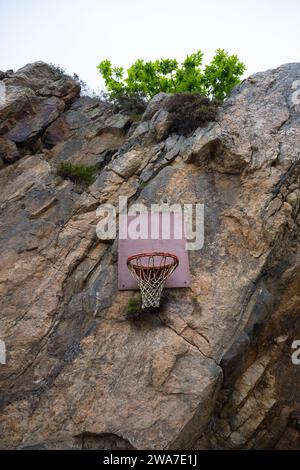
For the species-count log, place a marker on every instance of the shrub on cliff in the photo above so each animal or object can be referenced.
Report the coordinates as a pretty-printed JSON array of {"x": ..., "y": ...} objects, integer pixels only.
[
  {"x": 146, "y": 79},
  {"x": 132, "y": 105},
  {"x": 188, "y": 111}
]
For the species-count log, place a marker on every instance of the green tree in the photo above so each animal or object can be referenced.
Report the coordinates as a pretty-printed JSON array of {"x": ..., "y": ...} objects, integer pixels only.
[
  {"x": 146, "y": 79},
  {"x": 222, "y": 74}
]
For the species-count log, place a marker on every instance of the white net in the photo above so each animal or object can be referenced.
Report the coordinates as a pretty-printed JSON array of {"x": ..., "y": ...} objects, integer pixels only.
[{"x": 151, "y": 271}]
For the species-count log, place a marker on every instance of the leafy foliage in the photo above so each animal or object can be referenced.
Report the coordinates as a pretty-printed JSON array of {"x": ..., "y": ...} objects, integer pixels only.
[
  {"x": 146, "y": 79},
  {"x": 222, "y": 74},
  {"x": 77, "y": 173}
]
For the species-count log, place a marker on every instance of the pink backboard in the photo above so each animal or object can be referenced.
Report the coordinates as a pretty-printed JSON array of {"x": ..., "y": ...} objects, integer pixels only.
[{"x": 161, "y": 232}]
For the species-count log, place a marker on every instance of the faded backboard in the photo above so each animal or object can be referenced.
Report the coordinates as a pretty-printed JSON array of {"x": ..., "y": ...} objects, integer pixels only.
[{"x": 161, "y": 232}]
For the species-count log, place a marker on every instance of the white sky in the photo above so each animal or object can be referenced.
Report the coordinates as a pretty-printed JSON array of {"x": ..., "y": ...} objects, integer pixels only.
[{"x": 78, "y": 34}]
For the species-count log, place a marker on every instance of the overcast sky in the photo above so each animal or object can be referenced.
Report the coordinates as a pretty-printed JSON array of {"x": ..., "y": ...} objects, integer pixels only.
[{"x": 78, "y": 34}]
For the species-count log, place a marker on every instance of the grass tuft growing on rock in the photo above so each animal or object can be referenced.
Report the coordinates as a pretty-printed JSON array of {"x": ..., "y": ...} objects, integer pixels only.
[
  {"x": 134, "y": 306},
  {"x": 77, "y": 173}
]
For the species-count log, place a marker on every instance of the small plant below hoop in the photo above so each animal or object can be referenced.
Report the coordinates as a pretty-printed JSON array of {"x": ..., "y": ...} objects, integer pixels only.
[{"x": 134, "y": 307}]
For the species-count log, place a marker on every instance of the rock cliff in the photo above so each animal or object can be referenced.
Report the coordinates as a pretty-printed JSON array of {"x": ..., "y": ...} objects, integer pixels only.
[{"x": 212, "y": 368}]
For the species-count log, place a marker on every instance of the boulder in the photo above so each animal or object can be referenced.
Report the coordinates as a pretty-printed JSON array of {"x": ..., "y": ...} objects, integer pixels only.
[
  {"x": 46, "y": 80},
  {"x": 34, "y": 97},
  {"x": 27, "y": 129},
  {"x": 57, "y": 132},
  {"x": 8, "y": 150}
]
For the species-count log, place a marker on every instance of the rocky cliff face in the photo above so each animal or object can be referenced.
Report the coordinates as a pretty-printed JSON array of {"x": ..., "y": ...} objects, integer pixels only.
[{"x": 212, "y": 368}]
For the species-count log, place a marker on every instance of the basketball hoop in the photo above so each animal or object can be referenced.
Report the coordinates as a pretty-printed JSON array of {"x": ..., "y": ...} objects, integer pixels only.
[{"x": 151, "y": 271}]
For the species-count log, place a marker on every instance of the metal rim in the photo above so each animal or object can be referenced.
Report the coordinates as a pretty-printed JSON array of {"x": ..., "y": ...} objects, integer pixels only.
[{"x": 175, "y": 260}]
